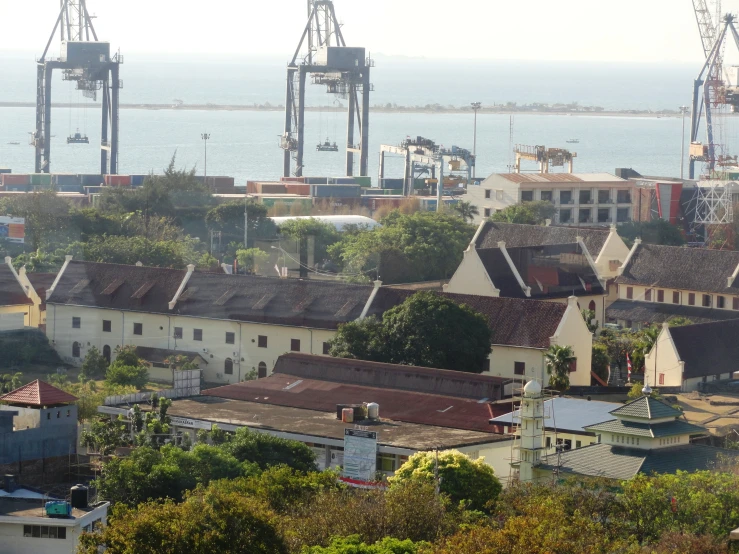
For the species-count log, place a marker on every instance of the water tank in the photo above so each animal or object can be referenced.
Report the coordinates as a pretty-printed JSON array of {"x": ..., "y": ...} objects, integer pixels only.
[
  {"x": 9, "y": 483},
  {"x": 347, "y": 415},
  {"x": 373, "y": 410},
  {"x": 79, "y": 497}
]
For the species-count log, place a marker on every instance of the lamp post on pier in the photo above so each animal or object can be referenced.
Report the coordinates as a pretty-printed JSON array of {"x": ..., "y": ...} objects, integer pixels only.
[
  {"x": 205, "y": 137},
  {"x": 475, "y": 106}
]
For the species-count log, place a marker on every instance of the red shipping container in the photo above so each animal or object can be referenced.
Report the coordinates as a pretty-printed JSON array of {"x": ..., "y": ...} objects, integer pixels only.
[
  {"x": 300, "y": 189},
  {"x": 15, "y": 179},
  {"x": 118, "y": 180}
]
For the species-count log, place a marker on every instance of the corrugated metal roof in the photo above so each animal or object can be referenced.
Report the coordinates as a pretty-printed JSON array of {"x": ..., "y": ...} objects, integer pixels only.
[
  {"x": 655, "y": 430},
  {"x": 567, "y": 414},
  {"x": 561, "y": 178},
  {"x": 38, "y": 393},
  {"x": 648, "y": 408}
]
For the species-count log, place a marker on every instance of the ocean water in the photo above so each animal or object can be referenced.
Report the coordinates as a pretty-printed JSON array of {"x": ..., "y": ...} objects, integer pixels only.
[{"x": 244, "y": 144}]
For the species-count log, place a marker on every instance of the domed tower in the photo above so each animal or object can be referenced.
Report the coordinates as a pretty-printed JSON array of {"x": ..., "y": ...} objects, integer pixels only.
[{"x": 531, "y": 430}]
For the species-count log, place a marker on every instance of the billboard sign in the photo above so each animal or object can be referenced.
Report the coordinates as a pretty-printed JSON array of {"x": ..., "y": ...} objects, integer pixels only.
[
  {"x": 360, "y": 454},
  {"x": 13, "y": 229}
]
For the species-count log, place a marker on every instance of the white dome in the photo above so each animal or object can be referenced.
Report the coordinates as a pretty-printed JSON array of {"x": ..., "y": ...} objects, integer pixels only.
[{"x": 532, "y": 388}]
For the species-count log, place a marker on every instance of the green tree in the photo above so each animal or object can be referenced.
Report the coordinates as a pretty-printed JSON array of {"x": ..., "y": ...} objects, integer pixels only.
[
  {"x": 252, "y": 260},
  {"x": 104, "y": 435},
  {"x": 528, "y": 213},
  {"x": 127, "y": 369},
  {"x": 559, "y": 363},
  {"x": 462, "y": 479},
  {"x": 94, "y": 365},
  {"x": 209, "y": 520},
  {"x": 466, "y": 210},
  {"x": 229, "y": 219},
  {"x": 600, "y": 360},
  {"x": 10, "y": 381},
  {"x": 45, "y": 214},
  {"x": 322, "y": 234},
  {"x": 266, "y": 450},
  {"x": 679, "y": 321},
  {"x": 130, "y": 250},
  {"x": 422, "y": 246},
  {"x": 590, "y": 321},
  {"x": 636, "y": 392},
  {"x": 354, "y": 545},
  {"x": 657, "y": 231},
  {"x": 427, "y": 329}
]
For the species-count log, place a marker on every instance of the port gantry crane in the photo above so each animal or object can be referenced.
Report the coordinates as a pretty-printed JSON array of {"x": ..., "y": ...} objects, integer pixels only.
[
  {"x": 87, "y": 61},
  {"x": 345, "y": 71}
]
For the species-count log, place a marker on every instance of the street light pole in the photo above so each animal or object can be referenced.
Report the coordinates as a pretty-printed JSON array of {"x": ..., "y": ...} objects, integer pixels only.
[
  {"x": 475, "y": 106},
  {"x": 683, "y": 111},
  {"x": 205, "y": 137}
]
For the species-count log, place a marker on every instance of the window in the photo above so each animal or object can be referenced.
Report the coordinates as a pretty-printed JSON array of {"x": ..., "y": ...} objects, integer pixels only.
[
  {"x": 228, "y": 366},
  {"x": 326, "y": 348},
  {"x": 735, "y": 303},
  {"x": 547, "y": 196},
  {"x": 262, "y": 370},
  {"x": 75, "y": 350},
  {"x": 604, "y": 196},
  {"x": 76, "y": 322},
  {"x": 48, "y": 415},
  {"x": 585, "y": 215},
  {"x": 138, "y": 328},
  {"x": 197, "y": 334},
  {"x": 262, "y": 341},
  {"x": 691, "y": 299},
  {"x": 486, "y": 365},
  {"x": 578, "y": 444},
  {"x": 675, "y": 297},
  {"x": 573, "y": 366},
  {"x": 519, "y": 368},
  {"x": 565, "y": 197},
  {"x": 527, "y": 195},
  {"x": 549, "y": 442},
  {"x": 706, "y": 300},
  {"x": 630, "y": 292},
  {"x": 178, "y": 332},
  {"x": 604, "y": 215},
  {"x": 230, "y": 338},
  {"x": 623, "y": 197},
  {"x": 566, "y": 443},
  {"x": 648, "y": 295},
  {"x": 591, "y": 306},
  {"x": 44, "y": 532},
  {"x": 622, "y": 215},
  {"x": 58, "y": 414},
  {"x": 565, "y": 215},
  {"x": 107, "y": 327},
  {"x": 487, "y": 194},
  {"x": 487, "y": 212},
  {"x": 386, "y": 462},
  {"x": 106, "y": 353},
  {"x": 720, "y": 302},
  {"x": 295, "y": 345},
  {"x": 661, "y": 378},
  {"x": 585, "y": 197},
  {"x": 660, "y": 296}
]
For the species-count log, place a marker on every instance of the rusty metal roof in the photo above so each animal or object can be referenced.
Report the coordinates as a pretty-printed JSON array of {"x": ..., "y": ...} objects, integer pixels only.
[{"x": 38, "y": 393}]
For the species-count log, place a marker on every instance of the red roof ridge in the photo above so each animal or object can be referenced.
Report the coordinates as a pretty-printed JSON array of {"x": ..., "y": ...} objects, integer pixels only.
[{"x": 38, "y": 393}]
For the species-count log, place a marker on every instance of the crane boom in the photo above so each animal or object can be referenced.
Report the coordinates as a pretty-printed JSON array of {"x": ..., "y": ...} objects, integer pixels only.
[{"x": 706, "y": 26}]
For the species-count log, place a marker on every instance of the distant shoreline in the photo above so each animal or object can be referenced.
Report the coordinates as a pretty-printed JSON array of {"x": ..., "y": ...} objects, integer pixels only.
[{"x": 376, "y": 109}]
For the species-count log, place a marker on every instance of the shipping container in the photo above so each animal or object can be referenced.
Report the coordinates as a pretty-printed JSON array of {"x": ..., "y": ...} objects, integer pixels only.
[
  {"x": 5, "y": 170},
  {"x": 363, "y": 181},
  {"x": 341, "y": 181},
  {"x": 292, "y": 179},
  {"x": 92, "y": 180},
  {"x": 335, "y": 191},
  {"x": 15, "y": 179},
  {"x": 300, "y": 189},
  {"x": 40, "y": 179},
  {"x": 138, "y": 180},
  {"x": 65, "y": 179},
  {"x": 118, "y": 180},
  {"x": 316, "y": 180}
]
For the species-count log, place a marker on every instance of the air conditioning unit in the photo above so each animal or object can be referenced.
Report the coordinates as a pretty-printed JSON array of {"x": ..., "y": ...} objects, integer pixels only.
[{"x": 205, "y": 350}]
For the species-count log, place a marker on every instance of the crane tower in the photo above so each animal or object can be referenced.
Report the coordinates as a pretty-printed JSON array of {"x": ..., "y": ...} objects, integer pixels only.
[
  {"x": 344, "y": 71},
  {"x": 86, "y": 61}
]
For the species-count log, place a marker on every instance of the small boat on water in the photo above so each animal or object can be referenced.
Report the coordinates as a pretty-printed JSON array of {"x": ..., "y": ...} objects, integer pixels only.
[{"x": 573, "y": 141}]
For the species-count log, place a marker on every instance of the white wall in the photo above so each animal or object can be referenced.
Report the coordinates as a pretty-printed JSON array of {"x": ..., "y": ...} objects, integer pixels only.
[
  {"x": 574, "y": 332},
  {"x": 665, "y": 356},
  {"x": 471, "y": 277},
  {"x": 614, "y": 250},
  {"x": 13, "y": 317}
]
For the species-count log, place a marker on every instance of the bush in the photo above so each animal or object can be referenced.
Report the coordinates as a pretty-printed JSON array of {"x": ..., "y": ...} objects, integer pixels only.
[
  {"x": 94, "y": 365},
  {"x": 119, "y": 374}
]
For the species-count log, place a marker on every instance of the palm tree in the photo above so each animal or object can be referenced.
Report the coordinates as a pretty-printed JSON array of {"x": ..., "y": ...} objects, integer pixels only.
[
  {"x": 559, "y": 362},
  {"x": 466, "y": 210},
  {"x": 10, "y": 381}
]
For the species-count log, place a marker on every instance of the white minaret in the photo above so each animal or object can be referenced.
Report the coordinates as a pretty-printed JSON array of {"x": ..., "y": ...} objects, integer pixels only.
[{"x": 531, "y": 430}]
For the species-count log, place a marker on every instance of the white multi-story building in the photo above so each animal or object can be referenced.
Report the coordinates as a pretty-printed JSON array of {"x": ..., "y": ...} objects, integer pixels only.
[{"x": 579, "y": 198}]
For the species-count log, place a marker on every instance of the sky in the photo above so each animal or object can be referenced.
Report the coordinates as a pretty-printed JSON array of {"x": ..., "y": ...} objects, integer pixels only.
[{"x": 633, "y": 31}]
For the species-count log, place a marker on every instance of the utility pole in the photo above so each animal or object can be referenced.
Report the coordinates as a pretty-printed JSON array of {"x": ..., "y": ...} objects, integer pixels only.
[
  {"x": 683, "y": 111},
  {"x": 475, "y": 106},
  {"x": 205, "y": 137},
  {"x": 246, "y": 222}
]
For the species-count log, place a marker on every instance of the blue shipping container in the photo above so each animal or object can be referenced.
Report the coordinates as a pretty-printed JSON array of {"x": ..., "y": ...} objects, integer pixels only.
[
  {"x": 91, "y": 180},
  {"x": 65, "y": 180},
  {"x": 138, "y": 180}
]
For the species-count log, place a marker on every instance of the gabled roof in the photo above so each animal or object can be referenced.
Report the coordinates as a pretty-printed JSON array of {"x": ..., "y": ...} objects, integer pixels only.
[
  {"x": 38, "y": 393},
  {"x": 11, "y": 291},
  {"x": 617, "y": 462},
  {"x": 646, "y": 407},
  {"x": 514, "y": 322},
  {"x": 677, "y": 267},
  {"x": 551, "y": 271},
  {"x": 708, "y": 348},
  {"x": 516, "y": 235},
  {"x": 659, "y": 312}
]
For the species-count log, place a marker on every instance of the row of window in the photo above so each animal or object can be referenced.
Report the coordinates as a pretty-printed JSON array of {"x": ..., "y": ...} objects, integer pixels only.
[
  {"x": 602, "y": 215},
  {"x": 567, "y": 196},
  {"x": 669, "y": 440},
  {"x": 565, "y": 443},
  {"x": 706, "y": 299},
  {"x": 44, "y": 532},
  {"x": 519, "y": 368},
  {"x": 625, "y": 439}
]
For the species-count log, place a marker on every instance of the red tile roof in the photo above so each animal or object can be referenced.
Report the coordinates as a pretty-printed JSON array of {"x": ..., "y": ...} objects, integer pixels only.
[{"x": 38, "y": 393}]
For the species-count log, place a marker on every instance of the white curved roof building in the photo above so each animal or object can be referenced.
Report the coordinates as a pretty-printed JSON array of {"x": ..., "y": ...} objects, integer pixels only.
[{"x": 338, "y": 221}]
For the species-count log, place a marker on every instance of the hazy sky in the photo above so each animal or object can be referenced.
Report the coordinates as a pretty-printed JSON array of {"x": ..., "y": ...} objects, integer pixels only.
[{"x": 592, "y": 30}]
